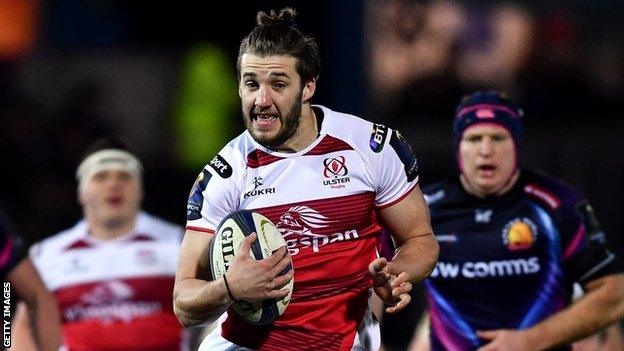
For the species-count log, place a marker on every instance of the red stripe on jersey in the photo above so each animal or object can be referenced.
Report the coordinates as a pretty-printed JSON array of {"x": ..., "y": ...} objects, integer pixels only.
[
  {"x": 79, "y": 244},
  {"x": 331, "y": 243},
  {"x": 324, "y": 216},
  {"x": 159, "y": 332},
  {"x": 121, "y": 314},
  {"x": 311, "y": 290},
  {"x": 381, "y": 207},
  {"x": 200, "y": 229},
  {"x": 327, "y": 145},
  {"x": 115, "y": 298},
  {"x": 330, "y": 325},
  {"x": 545, "y": 196},
  {"x": 258, "y": 158},
  {"x": 142, "y": 237}
]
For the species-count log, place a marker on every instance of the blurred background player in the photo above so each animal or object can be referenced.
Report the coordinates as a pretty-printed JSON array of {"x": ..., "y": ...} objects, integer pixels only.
[
  {"x": 512, "y": 243},
  {"x": 356, "y": 175},
  {"x": 18, "y": 269},
  {"x": 113, "y": 272}
]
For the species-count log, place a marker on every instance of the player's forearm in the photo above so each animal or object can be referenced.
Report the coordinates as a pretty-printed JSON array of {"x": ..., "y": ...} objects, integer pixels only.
[
  {"x": 198, "y": 301},
  {"x": 22, "y": 338},
  {"x": 47, "y": 329},
  {"x": 42, "y": 308},
  {"x": 601, "y": 306},
  {"x": 417, "y": 256}
]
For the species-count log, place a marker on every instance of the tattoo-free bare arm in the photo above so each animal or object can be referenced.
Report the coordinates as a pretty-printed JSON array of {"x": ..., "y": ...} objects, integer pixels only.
[
  {"x": 195, "y": 299},
  {"x": 410, "y": 225},
  {"x": 42, "y": 308}
]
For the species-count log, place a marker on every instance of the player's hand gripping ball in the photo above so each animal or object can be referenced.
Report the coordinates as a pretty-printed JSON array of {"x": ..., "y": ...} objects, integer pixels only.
[{"x": 226, "y": 243}]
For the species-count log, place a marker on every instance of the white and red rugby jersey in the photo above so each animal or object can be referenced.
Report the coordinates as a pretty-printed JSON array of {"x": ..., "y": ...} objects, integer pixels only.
[
  {"x": 115, "y": 295},
  {"x": 323, "y": 200}
]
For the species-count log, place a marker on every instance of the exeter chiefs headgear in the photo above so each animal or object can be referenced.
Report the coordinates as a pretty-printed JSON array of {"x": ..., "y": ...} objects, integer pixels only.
[{"x": 488, "y": 107}]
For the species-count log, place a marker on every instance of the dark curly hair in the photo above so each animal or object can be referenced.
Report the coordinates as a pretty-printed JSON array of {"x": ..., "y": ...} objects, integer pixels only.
[{"x": 277, "y": 34}]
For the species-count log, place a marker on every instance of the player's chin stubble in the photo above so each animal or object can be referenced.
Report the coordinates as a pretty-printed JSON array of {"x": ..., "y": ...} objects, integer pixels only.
[{"x": 288, "y": 127}]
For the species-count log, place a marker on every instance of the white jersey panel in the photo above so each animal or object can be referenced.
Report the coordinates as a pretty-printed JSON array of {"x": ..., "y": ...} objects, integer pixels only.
[
  {"x": 323, "y": 200},
  {"x": 72, "y": 257},
  {"x": 390, "y": 161},
  {"x": 357, "y": 157},
  {"x": 216, "y": 191}
]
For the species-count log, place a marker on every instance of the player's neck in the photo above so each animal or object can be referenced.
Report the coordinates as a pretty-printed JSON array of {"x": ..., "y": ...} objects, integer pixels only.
[
  {"x": 470, "y": 189},
  {"x": 305, "y": 135},
  {"x": 111, "y": 229}
]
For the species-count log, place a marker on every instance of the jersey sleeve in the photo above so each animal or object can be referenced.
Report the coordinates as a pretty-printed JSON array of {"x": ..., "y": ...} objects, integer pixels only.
[
  {"x": 213, "y": 195},
  {"x": 395, "y": 168},
  {"x": 12, "y": 249},
  {"x": 585, "y": 253}
]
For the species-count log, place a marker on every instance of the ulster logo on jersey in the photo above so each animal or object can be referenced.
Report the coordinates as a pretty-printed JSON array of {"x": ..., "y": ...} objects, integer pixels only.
[
  {"x": 300, "y": 226},
  {"x": 335, "y": 168},
  {"x": 519, "y": 234}
]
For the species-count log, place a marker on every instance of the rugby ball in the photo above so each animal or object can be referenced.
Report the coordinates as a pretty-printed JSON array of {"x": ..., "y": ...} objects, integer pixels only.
[{"x": 226, "y": 244}]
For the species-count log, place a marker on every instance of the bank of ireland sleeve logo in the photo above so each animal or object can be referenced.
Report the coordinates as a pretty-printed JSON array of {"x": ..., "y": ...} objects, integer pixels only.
[
  {"x": 519, "y": 234},
  {"x": 406, "y": 155},
  {"x": 196, "y": 197}
]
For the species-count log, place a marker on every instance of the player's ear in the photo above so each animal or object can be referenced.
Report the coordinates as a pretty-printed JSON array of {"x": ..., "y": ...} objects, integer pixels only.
[
  {"x": 308, "y": 90},
  {"x": 80, "y": 198}
]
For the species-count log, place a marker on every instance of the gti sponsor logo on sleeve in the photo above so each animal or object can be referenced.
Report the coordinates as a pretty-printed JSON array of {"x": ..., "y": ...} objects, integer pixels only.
[{"x": 6, "y": 314}]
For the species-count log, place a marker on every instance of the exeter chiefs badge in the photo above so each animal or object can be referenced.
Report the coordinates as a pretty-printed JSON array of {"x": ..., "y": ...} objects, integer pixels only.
[
  {"x": 519, "y": 234},
  {"x": 196, "y": 197}
]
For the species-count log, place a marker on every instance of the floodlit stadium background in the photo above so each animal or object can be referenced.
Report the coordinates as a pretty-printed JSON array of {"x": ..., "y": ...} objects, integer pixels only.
[{"x": 162, "y": 74}]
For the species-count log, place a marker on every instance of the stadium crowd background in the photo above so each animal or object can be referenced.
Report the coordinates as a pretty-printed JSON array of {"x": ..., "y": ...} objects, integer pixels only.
[{"x": 162, "y": 75}]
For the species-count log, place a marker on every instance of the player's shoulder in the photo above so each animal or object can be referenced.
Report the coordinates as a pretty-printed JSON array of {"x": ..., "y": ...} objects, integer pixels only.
[
  {"x": 60, "y": 242},
  {"x": 159, "y": 227},
  {"x": 439, "y": 192},
  {"x": 232, "y": 157},
  {"x": 550, "y": 191},
  {"x": 363, "y": 135}
]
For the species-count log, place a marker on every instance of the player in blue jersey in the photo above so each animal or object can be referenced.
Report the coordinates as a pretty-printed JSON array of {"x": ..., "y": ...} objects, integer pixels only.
[
  {"x": 19, "y": 277},
  {"x": 512, "y": 243}
]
